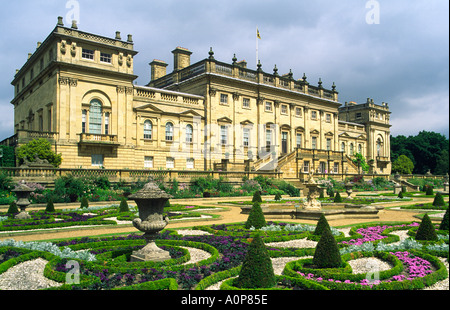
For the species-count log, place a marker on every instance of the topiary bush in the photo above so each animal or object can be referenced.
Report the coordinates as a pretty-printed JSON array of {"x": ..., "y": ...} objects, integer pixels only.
[
  {"x": 444, "y": 223},
  {"x": 277, "y": 196},
  {"x": 426, "y": 230},
  {"x": 400, "y": 195},
  {"x": 256, "y": 217},
  {"x": 84, "y": 202},
  {"x": 256, "y": 197},
  {"x": 257, "y": 270},
  {"x": 13, "y": 208},
  {"x": 338, "y": 198},
  {"x": 429, "y": 190},
  {"x": 50, "y": 206},
  {"x": 327, "y": 253},
  {"x": 123, "y": 207},
  {"x": 322, "y": 224},
  {"x": 438, "y": 200}
]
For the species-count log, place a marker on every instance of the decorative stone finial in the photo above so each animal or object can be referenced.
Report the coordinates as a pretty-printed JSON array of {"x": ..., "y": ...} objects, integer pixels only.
[
  {"x": 130, "y": 38},
  {"x": 320, "y": 83},
  {"x": 211, "y": 53},
  {"x": 60, "y": 21},
  {"x": 118, "y": 37},
  {"x": 259, "y": 66},
  {"x": 275, "y": 70},
  {"x": 74, "y": 24},
  {"x": 234, "y": 59}
]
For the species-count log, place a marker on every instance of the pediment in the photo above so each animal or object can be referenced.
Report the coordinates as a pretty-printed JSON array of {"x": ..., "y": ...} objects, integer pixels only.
[
  {"x": 224, "y": 120},
  {"x": 314, "y": 132},
  {"x": 190, "y": 112},
  {"x": 246, "y": 122},
  {"x": 148, "y": 108}
]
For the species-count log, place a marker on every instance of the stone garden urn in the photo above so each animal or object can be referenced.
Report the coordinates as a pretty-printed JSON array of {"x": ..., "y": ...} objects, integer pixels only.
[
  {"x": 150, "y": 201},
  {"x": 349, "y": 189},
  {"x": 311, "y": 202},
  {"x": 23, "y": 193}
]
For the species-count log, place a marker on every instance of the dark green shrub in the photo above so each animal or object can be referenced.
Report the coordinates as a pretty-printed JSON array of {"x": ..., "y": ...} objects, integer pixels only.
[
  {"x": 50, "y": 206},
  {"x": 84, "y": 202},
  {"x": 6, "y": 182},
  {"x": 102, "y": 182},
  {"x": 444, "y": 223},
  {"x": 400, "y": 195},
  {"x": 123, "y": 207},
  {"x": 321, "y": 194},
  {"x": 438, "y": 200},
  {"x": 13, "y": 208},
  {"x": 256, "y": 217},
  {"x": 257, "y": 270},
  {"x": 327, "y": 253},
  {"x": 256, "y": 197},
  {"x": 70, "y": 186},
  {"x": 429, "y": 190},
  {"x": 277, "y": 196},
  {"x": 426, "y": 230},
  {"x": 322, "y": 224},
  {"x": 330, "y": 191},
  {"x": 338, "y": 198}
]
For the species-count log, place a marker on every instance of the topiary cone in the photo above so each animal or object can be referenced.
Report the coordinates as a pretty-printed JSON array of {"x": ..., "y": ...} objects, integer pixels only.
[
  {"x": 444, "y": 223},
  {"x": 257, "y": 270},
  {"x": 438, "y": 200},
  {"x": 426, "y": 230},
  {"x": 322, "y": 224},
  {"x": 327, "y": 253},
  {"x": 256, "y": 217}
]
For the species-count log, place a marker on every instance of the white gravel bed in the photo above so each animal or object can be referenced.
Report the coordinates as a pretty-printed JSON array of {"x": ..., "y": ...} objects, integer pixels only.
[
  {"x": 197, "y": 255},
  {"x": 117, "y": 221},
  {"x": 28, "y": 275},
  {"x": 192, "y": 232},
  {"x": 297, "y": 243},
  {"x": 368, "y": 264},
  {"x": 346, "y": 231}
]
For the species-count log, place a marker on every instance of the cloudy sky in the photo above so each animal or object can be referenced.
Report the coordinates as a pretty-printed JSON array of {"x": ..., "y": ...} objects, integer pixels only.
[{"x": 394, "y": 51}]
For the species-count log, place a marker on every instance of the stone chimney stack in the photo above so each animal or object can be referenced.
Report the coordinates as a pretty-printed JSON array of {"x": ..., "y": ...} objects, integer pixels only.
[
  {"x": 181, "y": 58},
  {"x": 159, "y": 69}
]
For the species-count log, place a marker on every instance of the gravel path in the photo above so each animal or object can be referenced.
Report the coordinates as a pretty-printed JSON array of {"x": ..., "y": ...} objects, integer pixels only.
[{"x": 28, "y": 275}]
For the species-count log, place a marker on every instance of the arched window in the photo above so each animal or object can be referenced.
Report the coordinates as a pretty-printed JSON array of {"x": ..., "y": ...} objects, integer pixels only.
[
  {"x": 351, "y": 149},
  {"x": 169, "y": 132},
  {"x": 148, "y": 127},
  {"x": 189, "y": 133},
  {"x": 95, "y": 117},
  {"x": 359, "y": 148},
  {"x": 343, "y": 147},
  {"x": 379, "y": 147}
]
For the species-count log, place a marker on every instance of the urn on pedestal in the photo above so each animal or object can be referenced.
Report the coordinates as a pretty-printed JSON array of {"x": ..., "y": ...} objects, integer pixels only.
[
  {"x": 150, "y": 201},
  {"x": 23, "y": 193}
]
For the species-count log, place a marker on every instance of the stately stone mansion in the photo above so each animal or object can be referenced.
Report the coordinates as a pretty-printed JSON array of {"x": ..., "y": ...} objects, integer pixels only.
[{"x": 78, "y": 90}]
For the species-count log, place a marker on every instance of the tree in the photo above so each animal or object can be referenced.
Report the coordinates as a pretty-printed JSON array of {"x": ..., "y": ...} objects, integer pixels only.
[
  {"x": 360, "y": 161},
  {"x": 256, "y": 217},
  {"x": 322, "y": 224},
  {"x": 426, "y": 230},
  {"x": 256, "y": 197},
  {"x": 257, "y": 270},
  {"x": 403, "y": 165},
  {"x": 445, "y": 222},
  {"x": 327, "y": 253},
  {"x": 438, "y": 200},
  {"x": 123, "y": 207},
  {"x": 40, "y": 148},
  {"x": 338, "y": 198}
]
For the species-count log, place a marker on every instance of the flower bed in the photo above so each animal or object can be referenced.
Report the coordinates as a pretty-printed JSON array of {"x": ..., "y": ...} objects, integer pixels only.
[{"x": 104, "y": 262}]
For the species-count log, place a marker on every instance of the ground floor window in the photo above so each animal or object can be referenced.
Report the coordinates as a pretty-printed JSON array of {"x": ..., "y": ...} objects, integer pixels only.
[
  {"x": 306, "y": 167},
  {"x": 97, "y": 160},
  {"x": 170, "y": 162},
  {"x": 190, "y": 163},
  {"x": 148, "y": 162},
  {"x": 336, "y": 168}
]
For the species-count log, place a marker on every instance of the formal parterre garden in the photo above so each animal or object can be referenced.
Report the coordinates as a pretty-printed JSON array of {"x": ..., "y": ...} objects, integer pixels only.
[{"x": 403, "y": 255}]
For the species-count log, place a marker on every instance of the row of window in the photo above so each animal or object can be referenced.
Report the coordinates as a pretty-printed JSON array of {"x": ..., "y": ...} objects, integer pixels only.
[
  {"x": 32, "y": 71},
  {"x": 89, "y": 55},
  {"x": 97, "y": 160},
  {"x": 322, "y": 167},
  {"x": 268, "y": 107}
]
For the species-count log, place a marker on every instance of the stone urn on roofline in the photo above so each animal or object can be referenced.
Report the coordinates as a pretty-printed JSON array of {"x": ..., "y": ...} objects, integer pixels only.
[{"x": 150, "y": 201}]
